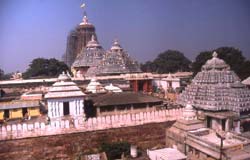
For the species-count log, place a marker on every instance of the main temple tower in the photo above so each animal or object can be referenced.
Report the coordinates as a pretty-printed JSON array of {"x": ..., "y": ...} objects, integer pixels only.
[{"x": 78, "y": 39}]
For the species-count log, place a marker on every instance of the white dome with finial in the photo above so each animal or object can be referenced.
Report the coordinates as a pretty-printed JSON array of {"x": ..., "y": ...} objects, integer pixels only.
[
  {"x": 64, "y": 77},
  {"x": 116, "y": 46},
  {"x": 95, "y": 87},
  {"x": 93, "y": 43},
  {"x": 215, "y": 63}
]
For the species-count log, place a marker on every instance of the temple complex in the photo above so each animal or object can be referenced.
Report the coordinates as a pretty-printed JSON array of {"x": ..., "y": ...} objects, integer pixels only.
[{"x": 86, "y": 56}]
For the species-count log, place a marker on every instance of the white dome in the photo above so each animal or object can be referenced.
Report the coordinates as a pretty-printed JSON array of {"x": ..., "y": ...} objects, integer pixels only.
[{"x": 112, "y": 88}]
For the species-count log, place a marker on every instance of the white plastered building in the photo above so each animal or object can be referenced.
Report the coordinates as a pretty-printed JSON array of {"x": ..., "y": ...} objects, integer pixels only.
[{"x": 65, "y": 98}]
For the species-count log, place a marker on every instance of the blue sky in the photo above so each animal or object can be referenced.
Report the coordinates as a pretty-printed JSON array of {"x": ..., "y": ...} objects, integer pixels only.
[{"x": 145, "y": 28}]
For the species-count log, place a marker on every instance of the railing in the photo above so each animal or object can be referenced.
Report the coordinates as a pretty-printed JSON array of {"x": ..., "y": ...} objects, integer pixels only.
[{"x": 79, "y": 124}]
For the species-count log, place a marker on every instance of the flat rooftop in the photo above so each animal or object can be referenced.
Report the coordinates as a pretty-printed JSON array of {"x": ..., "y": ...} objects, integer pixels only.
[{"x": 209, "y": 136}]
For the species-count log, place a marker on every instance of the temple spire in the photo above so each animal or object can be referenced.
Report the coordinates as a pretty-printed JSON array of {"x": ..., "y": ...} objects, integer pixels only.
[
  {"x": 85, "y": 18},
  {"x": 215, "y": 54}
]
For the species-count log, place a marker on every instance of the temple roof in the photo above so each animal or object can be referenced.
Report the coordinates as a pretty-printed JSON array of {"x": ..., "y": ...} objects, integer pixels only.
[
  {"x": 91, "y": 55},
  {"x": 116, "y": 46},
  {"x": 85, "y": 22},
  {"x": 216, "y": 88},
  {"x": 117, "y": 61},
  {"x": 93, "y": 43},
  {"x": 95, "y": 87},
  {"x": 215, "y": 63},
  {"x": 246, "y": 81},
  {"x": 64, "y": 88},
  {"x": 123, "y": 98},
  {"x": 19, "y": 104}
]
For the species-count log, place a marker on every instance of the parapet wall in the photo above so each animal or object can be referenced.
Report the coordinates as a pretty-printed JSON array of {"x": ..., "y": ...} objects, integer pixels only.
[
  {"x": 71, "y": 146},
  {"x": 78, "y": 124}
]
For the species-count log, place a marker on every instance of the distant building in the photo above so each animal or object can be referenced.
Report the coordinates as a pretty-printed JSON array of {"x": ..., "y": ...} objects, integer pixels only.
[
  {"x": 19, "y": 109},
  {"x": 65, "y": 98},
  {"x": 124, "y": 102}
]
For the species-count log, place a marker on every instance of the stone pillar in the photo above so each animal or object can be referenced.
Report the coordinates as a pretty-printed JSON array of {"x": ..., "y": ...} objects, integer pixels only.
[
  {"x": 147, "y": 107},
  {"x": 227, "y": 127},
  {"x": 57, "y": 110},
  {"x": 81, "y": 107},
  {"x": 115, "y": 110},
  {"x": 145, "y": 85},
  {"x": 49, "y": 109},
  {"x": 54, "y": 109},
  {"x": 237, "y": 127},
  {"x": 98, "y": 111},
  {"x": 215, "y": 124},
  {"x": 133, "y": 151}
]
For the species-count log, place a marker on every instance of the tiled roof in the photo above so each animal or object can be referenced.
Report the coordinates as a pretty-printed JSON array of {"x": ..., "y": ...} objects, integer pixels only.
[
  {"x": 64, "y": 89},
  {"x": 19, "y": 104},
  {"x": 123, "y": 98}
]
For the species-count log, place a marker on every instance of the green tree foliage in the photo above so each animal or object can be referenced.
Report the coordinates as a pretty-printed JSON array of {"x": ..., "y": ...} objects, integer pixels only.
[
  {"x": 115, "y": 150},
  {"x": 168, "y": 61},
  {"x": 41, "y": 67},
  {"x": 200, "y": 60},
  {"x": 232, "y": 56}
]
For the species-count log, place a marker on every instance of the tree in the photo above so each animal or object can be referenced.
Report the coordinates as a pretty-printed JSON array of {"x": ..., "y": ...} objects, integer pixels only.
[
  {"x": 232, "y": 56},
  {"x": 168, "y": 61},
  {"x": 41, "y": 67},
  {"x": 148, "y": 67},
  {"x": 116, "y": 149},
  {"x": 200, "y": 60}
]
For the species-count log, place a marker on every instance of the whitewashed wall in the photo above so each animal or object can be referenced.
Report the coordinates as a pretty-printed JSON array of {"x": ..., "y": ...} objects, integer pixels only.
[
  {"x": 164, "y": 84},
  {"x": 79, "y": 124},
  {"x": 55, "y": 107}
]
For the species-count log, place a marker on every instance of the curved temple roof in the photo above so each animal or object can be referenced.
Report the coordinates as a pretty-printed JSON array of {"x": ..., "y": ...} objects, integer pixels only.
[
  {"x": 64, "y": 88},
  {"x": 215, "y": 88},
  {"x": 91, "y": 55},
  {"x": 117, "y": 61}
]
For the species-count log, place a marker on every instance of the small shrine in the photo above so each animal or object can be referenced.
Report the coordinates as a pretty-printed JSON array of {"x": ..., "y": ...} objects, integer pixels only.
[
  {"x": 95, "y": 87},
  {"x": 65, "y": 98},
  {"x": 219, "y": 96}
]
